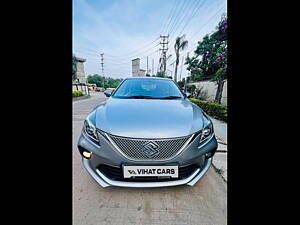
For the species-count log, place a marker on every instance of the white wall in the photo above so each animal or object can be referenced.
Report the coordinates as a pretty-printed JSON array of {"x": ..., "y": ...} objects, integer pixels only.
[
  {"x": 80, "y": 74},
  {"x": 211, "y": 88},
  {"x": 80, "y": 88}
]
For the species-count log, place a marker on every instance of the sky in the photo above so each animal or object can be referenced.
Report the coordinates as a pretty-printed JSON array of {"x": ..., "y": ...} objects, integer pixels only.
[{"x": 127, "y": 29}]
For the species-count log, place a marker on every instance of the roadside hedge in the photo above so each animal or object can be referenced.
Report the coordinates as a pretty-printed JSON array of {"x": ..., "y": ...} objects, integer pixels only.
[
  {"x": 215, "y": 110},
  {"x": 77, "y": 94}
]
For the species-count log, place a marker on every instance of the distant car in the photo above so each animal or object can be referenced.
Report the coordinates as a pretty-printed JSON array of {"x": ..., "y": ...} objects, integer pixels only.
[
  {"x": 112, "y": 89},
  {"x": 147, "y": 134}
]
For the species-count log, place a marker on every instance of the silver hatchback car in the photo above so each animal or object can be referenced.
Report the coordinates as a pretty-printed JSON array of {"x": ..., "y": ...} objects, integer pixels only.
[{"x": 147, "y": 134}]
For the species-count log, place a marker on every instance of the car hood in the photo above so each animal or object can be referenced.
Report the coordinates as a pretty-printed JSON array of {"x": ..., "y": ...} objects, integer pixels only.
[{"x": 148, "y": 118}]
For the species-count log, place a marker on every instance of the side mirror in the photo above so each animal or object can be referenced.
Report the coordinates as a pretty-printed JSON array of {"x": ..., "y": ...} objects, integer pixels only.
[
  {"x": 188, "y": 95},
  {"x": 107, "y": 93}
]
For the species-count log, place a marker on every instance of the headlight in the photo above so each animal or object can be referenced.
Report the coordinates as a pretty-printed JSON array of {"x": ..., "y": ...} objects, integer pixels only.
[
  {"x": 206, "y": 132},
  {"x": 91, "y": 131}
]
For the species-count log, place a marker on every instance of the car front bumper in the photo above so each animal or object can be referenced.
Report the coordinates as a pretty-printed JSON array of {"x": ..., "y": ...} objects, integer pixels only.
[
  {"x": 104, "y": 181},
  {"x": 106, "y": 154}
]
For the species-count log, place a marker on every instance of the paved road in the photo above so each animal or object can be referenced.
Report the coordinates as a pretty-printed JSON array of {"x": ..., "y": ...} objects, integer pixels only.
[
  {"x": 205, "y": 203},
  {"x": 220, "y": 129}
]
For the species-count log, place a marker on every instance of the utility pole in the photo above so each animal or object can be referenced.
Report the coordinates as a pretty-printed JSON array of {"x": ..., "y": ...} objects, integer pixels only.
[
  {"x": 152, "y": 67},
  {"x": 164, "y": 42},
  {"x": 147, "y": 67},
  {"x": 102, "y": 67}
]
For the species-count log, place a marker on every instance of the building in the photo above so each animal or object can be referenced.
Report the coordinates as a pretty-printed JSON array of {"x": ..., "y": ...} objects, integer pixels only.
[
  {"x": 136, "y": 71},
  {"x": 135, "y": 67},
  {"x": 142, "y": 73},
  {"x": 80, "y": 74}
]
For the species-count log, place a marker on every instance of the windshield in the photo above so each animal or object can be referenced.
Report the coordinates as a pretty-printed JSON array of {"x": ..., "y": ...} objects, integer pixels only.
[{"x": 148, "y": 88}]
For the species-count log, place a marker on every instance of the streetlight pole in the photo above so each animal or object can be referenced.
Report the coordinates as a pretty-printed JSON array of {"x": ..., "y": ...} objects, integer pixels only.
[{"x": 102, "y": 63}]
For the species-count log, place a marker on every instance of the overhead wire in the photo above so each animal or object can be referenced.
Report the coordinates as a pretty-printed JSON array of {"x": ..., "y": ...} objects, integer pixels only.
[
  {"x": 135, "y": 51},
  {"x": 177, "y": 16},
  {"x": 167, "y": 22},
  {"x": 205, "y": 24},
  {"x": 196, "y": 10},
  {"x": 189, "y": 17},
  {"x": 134, "y": 55},
  {"x": 180, "y": 18},
  {"x": 189, "y": 11},
  {"x": 139, "y": 52},
  {"x": 173, "y": 24}
]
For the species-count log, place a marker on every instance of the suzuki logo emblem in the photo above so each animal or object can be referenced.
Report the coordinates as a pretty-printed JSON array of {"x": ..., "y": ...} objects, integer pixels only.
[{"x": 150, "y": 148}]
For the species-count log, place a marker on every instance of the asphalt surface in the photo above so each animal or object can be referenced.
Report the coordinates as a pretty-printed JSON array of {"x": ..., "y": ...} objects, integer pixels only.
[
  {"x": 205, "y": 203},
  {"x": 220, "y": 129}
]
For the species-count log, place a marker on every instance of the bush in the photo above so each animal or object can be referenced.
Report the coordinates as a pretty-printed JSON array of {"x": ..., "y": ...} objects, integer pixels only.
[
  {"x": 213, "y": 109},
  {"x": 191, "y": 89},
  {"x": 77, "y": 94}
]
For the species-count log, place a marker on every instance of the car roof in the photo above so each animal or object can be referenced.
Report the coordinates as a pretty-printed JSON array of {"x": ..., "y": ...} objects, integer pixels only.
[{"x": 145, "y": 77}]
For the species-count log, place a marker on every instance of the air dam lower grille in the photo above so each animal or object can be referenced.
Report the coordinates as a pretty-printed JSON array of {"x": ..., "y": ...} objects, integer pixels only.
[{"x": 149, "y": 149}]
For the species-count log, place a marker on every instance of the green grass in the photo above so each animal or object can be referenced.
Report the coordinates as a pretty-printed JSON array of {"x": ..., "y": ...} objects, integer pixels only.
[{"x": 219, "y": 171}]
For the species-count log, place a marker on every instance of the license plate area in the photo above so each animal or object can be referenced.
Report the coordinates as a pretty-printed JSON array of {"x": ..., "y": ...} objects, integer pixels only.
[{"x": 150, "y": 171}]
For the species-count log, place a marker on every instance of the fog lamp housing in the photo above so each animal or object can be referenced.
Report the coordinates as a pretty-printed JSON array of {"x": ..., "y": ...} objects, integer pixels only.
[
  {"x": 209, "y": 155},
  {"x": 87, "y": 154}
]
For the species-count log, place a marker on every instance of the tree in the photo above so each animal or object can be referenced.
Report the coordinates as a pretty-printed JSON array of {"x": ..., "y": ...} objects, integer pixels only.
[
  {"x": 98, "y": 80},
  {"x": 191, "y": 89},
  {"x": 180, "y": 44},
  {"x": 210, "y": 60},
  {"x": 180, "y": 84},
  {"x": 221, "y": 57},
  {"x": 160, "y": 74},
  {"x": 221, "y": 76}
]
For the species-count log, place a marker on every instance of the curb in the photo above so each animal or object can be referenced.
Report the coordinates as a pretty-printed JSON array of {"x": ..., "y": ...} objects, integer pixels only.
[
  {"x": 218, "y": 173},
  {"x": 223, "y": 143},
  {"x": 220, "y": 151}
]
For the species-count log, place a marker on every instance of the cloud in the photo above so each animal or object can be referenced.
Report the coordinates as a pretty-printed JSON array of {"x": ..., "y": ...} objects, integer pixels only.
[{"x": 118, "y": 28}]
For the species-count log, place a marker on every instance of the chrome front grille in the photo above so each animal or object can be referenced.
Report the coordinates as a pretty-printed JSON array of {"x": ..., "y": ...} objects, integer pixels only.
[{"x": 149, "y": 149}]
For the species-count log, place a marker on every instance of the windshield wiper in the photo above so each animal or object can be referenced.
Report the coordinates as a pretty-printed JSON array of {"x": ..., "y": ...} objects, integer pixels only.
[
  {"x": 140, "y": 97},
  {"x": 149, "y": 97},
  {"x": 170, "y": 97}
]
